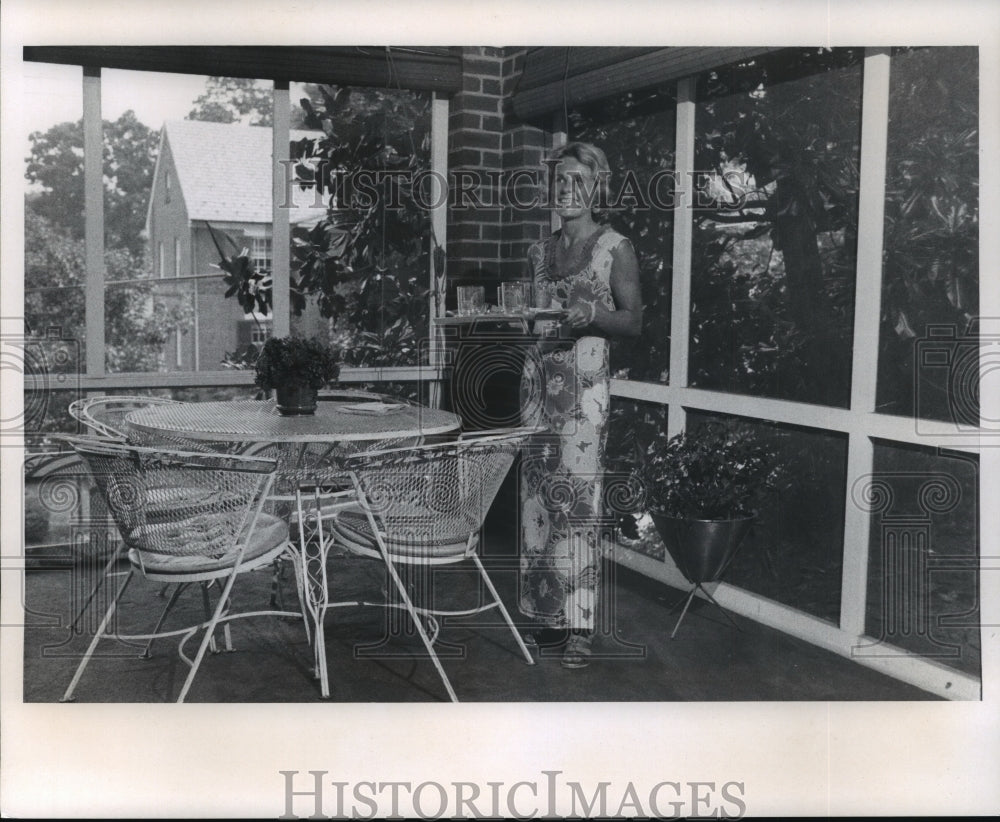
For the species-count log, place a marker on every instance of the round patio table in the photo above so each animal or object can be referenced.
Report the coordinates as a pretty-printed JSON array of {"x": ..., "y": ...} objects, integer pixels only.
[
  {"x": 259, "y": 421},
  {"x": 305, "y": 448}
]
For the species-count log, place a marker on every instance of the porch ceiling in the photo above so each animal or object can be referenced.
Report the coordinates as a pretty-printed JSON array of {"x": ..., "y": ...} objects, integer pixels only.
[
  {"x": 424, "y": 68},
  {"x": 571, "y": 75}
]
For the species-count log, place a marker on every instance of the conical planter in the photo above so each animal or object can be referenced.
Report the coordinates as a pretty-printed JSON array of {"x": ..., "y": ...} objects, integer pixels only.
[
  {"x": 294, "y": 399},
  {"x": 702, "y": 549}
]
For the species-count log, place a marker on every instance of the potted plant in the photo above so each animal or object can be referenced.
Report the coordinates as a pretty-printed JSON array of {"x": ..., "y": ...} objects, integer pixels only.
[
  {"x": 296, "y": 368},
  {"x": 703, "y": 489}
]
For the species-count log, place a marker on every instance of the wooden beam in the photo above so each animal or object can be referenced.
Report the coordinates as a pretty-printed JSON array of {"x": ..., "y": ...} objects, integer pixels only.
[{"x": 422, "y": 69}]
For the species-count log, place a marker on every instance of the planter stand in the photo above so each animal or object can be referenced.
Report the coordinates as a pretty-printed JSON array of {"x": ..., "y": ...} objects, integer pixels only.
[
  {"x": 687, "y": 603},
  {"x": 702, "y": 550}
]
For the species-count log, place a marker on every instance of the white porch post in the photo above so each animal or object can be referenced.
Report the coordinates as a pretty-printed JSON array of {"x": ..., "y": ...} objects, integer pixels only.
[
  {"x": 439, "y": 238},
  {"x": 867, "y": 306},
  {"x": 93, "y": 226},
  {"x": 680, "y": 299},
  {"x": 281, "y": 236}
]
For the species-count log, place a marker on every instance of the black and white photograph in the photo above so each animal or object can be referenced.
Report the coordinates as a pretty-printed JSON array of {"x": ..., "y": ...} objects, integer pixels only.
[{"x": 565, "y": 412}]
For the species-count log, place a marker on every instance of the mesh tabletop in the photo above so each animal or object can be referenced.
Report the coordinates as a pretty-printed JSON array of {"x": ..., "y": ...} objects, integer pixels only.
[{"x": 259, "y": 421}]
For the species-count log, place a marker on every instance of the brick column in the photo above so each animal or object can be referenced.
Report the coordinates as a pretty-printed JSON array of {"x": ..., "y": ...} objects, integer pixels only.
[
  {"x": 489, "y": 236},
  {"x": 475, "y": 163},
  {"x": 524, "y": 148}
]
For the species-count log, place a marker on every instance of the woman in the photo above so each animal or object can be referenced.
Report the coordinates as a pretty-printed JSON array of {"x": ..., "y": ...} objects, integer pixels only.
[{"x": 590, "y": 271}]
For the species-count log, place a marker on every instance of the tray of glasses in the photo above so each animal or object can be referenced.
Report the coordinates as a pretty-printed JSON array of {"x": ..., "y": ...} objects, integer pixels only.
[{"x": 528, "y": 315}]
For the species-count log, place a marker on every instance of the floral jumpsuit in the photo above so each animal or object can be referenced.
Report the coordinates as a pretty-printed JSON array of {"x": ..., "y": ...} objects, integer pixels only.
[{"x": 565, "y": 387}]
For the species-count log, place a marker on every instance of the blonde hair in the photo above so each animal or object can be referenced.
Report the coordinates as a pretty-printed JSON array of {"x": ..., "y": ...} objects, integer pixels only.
[{"x": 593, "y": 158}]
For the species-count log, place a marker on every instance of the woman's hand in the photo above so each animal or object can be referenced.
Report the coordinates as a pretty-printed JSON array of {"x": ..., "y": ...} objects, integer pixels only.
[{"x": 580, "y": 315}]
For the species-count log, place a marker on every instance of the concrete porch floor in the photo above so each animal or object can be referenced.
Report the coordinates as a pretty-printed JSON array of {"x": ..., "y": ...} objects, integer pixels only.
[{"x": 373, "y": 656}]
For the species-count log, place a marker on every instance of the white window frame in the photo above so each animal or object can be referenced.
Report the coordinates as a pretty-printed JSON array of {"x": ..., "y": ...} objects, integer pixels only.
[
  {"x": 261, "y": 252},
  {"x": 281, "y": 251},
  {"x": 860, "y": 423}
]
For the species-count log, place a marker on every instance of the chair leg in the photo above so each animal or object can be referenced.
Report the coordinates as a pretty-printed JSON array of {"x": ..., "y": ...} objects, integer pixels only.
[
  {"x": 68, "y": 695},
  {"x": 206, "y": 602},
  {"x": 277, "y": 577},
  {"x": 314, "y": 593},
  {"x": 299, "y": 591},
  {"x": 116, "y": 555},
  {"x": 163, "y": 616},
  {"x": 503, "y": 610},
  {"x": 209, "y": 632},
  {"x": 418, "y": 623}
]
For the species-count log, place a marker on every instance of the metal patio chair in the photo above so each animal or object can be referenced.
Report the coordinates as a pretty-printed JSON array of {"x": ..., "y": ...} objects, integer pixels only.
[
  {"x": 105, "y": 416},
  {"x": 211, "y": 540},
  {"x": 425, "y": 506}
]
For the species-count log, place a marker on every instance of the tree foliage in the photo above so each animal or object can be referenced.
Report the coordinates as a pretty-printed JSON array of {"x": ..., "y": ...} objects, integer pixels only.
[
  {"x": 772, "y": 290},
  {"x": 234, "y": 100},
  {"x": 366, "y": 265},
  {"x": 55, "y": 165},
  {"x": 635, "y": 130},
  {"x": 242, "y": 100},
  {"x": 139, "y": 318},
  {"x": 931, "y": 274}
]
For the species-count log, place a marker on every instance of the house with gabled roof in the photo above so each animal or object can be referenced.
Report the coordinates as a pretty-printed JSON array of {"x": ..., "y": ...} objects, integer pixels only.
[{"x": 218, "y": 175}]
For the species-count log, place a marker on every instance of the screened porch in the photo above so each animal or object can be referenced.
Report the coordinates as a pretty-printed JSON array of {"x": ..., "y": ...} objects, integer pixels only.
[{"x": 806, "y": 222}]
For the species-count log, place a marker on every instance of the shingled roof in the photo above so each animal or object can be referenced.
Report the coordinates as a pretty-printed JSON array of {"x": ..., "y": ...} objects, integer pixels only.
[{"x": 224, "y": 170}]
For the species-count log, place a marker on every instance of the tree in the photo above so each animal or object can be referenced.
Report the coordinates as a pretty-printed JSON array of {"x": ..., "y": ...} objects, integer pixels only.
[
  {"x": 139, "y": 318},
  {"x": 234, "y": 100},
  {"x": 366, "y": 265},
  {"x": 244, "y": 101},
  {"x": 55, "y": 164}
]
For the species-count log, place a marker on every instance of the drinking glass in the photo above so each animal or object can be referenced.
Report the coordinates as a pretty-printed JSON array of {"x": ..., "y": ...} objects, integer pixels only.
[
  {"x": 471, "y": 299},
  {"x": 514, "y": 296}
]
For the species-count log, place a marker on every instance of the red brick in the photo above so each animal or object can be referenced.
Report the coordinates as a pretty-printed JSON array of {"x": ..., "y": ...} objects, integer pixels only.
[
  {"x": 471, "y": 83},
  {"x": 464, "y": 119},
  {"x": 491, "y": 123},
  {"x": 513, "y": 63},
  {"x": 477, "y": 102},
  {"x": 464, "y": 157},
  {"x": 463, "y": 231},
  {"x": 474, "y": 250},
  {"x": 485, "y": 67},
  {"x": 479, "y": 139},
  {"x": 491, "y": 231},
  {"x": 491, "y": 86},
  {"x": 528, "y": 138}
]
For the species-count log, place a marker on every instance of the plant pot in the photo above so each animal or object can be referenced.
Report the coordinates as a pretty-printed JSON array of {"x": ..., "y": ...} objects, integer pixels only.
[
  {"x": 295, "y": 399},
  {"x": 702, "y": 548}
]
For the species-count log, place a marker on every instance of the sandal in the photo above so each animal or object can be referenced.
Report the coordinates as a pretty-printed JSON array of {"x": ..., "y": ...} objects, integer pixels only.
[
  {"x": 544, "y": 637},
  {"x": 577, "y": 653}
]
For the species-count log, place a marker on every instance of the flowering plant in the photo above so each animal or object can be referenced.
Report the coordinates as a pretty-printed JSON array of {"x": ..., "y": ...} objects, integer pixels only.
[
  {"x": 718, "y": 470},
  {"x": 286, "y": 360}
]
